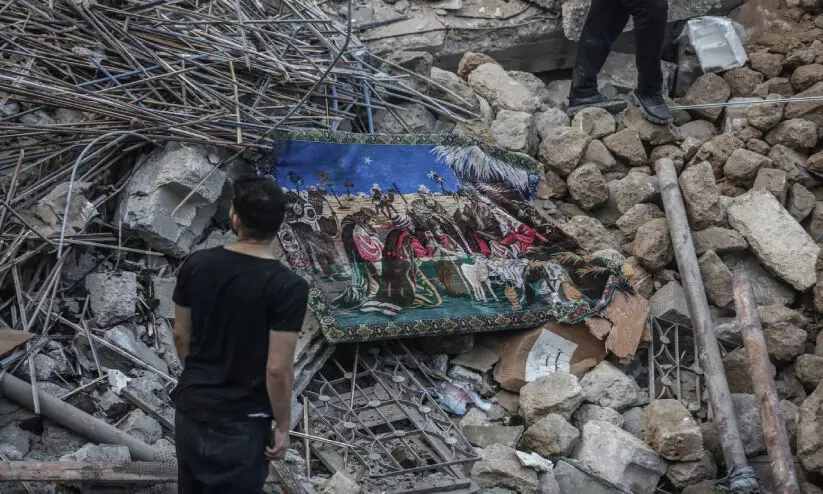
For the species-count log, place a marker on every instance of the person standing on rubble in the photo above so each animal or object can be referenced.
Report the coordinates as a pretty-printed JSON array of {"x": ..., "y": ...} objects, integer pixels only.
[
  {"x": 238, "y": 312},
  {"x": 604, "y": 24}
]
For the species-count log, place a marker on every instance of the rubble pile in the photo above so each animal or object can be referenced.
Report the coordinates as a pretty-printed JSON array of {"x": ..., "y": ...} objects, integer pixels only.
[{"x": 98, "y": 301}]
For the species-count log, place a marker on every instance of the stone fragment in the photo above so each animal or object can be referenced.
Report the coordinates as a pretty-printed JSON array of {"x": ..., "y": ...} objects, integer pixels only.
[
  {"x": 163, "y": 291},
  {"x": 776, "y": 314},
  {"x": 772, "y": 232},
  {"x": 683, "y": 474},
  {"x": 515, "y": 131},
  {"x": 809, "y": 370},
  {"x": 797, "y": 134},
  {"x": 758, "y": 146},
  {"x": 596, "y": 122},
  {"x": 123, "y": 338},
  {"x": 112, "y": 296},
  {"x": 607, "y": 386},
  {"x": 599, "y": 154},
  {"x": 620, "y": 457},
  {"x": 558, "y": 392},
  {"x": 637, "y": 216},
  {"x": 671, "y": 431},
  {"x": 708, "y": 89},
  {"x": 785, "y": 341},
  {"x": 815, "y": 162},
  {"x": 652, "y": 245},
  {"x": 141, "y": 426},
  {"x": 735, "y": 121},
  {"x": 162, "y": 180},
  {"x": 470, "y": 61},
  {"x": 556, "y": 185},
  {"x": 549, "y": 120},
  {"x": 587, "y": 186},
  {"x": 631, "y": 420},
  {"x": 642, "y": 280},
  {"x": 105, "y": 453},
  {"x": 719, "y": 240},
  {"x": 701, "y": 196},
  {"x": 787, "y": 160},
  {"x": 500, "y": 467},
  {"x": 502, "y": 92},
  {"x": 559, "y": 93},
  {"x": 769, "y": 64},
  {"x": 578, "y": 478},
  {"x": 717, "y": 279},
  {"x": 670, "y": 151},
  {"x": 742, "y": 166},
  {"x": 775, "y": 85},
  {"x": 532, "y": 83},
  {"x": 551, "y": 436},
  {"x": 765, "y": 116},
  {"x": 216, "y": 239},
  {"x": 801, "y": 202},
  {"x": 669, "y": 303},
  {"x": 736, "y": 365},
  {"x": 809, "y": 438},
  {"x": 797, "y": 109},
  {"x": 634, "y": 189},
  {"x": 484, "y": 435},
  {"x": 767, "y": 290},
  {"x": 562, "y": 151},
  {"x": 416, "y": 117},
  {"x": 742, "y": 81},
  {"x": 458, "y": 91},
  {"x": 340, "y": 483},
  {"x": 649, "y": 132},
  {"x": 717, "y": 151},
  {"x": 111, "y": 404},
  {"x": 588, "y": 412},
  {"x": 590, "y": 234},
  {"x": 773, "y": 181},
  {"x": 702, "y": 130},
  {"x": 748, "y": 424},
  {"x": 690, "y": 146},
  {"x": 626, "y": 145},
  {"x": 807, "y": 76}
]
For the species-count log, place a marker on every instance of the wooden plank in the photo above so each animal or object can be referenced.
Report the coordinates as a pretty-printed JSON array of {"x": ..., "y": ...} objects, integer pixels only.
[
  {"x": 125, "y": 472},
  {"x": 288, "y": 483}
]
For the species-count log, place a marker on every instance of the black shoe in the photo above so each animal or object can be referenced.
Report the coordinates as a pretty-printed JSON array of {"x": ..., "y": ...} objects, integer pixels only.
[
  {"x": 598, "y": 100},
  {"x": 654, "y": 108}
]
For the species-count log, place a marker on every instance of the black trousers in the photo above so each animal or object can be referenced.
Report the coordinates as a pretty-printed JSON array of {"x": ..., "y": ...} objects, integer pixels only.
[
  {"x": 605, "y": 23},
  {"x": 221, "y": 457}
]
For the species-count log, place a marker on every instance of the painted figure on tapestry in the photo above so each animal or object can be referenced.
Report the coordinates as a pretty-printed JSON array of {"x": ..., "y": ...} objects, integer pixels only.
[{"x": 398, "y": 234}]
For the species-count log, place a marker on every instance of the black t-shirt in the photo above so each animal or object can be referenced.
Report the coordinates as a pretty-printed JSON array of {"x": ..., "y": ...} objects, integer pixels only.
[{"x": 235, "y": 300}]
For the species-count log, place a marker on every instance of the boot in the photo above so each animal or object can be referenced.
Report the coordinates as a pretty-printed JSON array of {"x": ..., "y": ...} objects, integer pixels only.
[
  {"x": 653, "y": 108},
  {"x": 596, "y": 100}
]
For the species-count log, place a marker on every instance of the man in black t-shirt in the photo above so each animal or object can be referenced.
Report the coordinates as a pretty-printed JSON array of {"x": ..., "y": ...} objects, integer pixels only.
[{"x": 238, "y": 312}]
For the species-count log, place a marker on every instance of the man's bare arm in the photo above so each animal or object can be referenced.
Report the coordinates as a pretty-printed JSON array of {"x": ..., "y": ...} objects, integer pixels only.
[
  {"x": 280, "y": 376},
  {"x": 182, "y": 331}
]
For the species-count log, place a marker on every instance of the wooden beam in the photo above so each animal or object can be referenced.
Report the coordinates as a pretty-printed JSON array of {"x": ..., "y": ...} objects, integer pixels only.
[{"x": 125, "y": 472}]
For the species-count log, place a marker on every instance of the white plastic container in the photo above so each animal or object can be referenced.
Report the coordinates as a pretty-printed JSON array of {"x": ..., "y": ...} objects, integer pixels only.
[{"x": 716, "y": 43}]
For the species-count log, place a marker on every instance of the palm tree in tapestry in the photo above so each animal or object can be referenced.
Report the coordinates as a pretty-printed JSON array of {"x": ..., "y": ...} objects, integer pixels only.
[
  {"x": 472, "y": 164},
  {"x": 325, "y": 181},
  {"x": 348, "y": 184},
  {"x": 295, "y": 179}
]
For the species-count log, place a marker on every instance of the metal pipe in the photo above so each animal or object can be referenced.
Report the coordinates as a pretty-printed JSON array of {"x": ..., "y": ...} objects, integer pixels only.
[
  {"x": 709, "y": 353},
  {"x": 762, "y": 372},
  {"x": 75, "y": 420}
]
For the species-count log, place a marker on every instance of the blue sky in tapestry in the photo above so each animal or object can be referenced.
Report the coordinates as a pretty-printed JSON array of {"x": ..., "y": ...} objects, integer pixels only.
[{"x": 407, "y": 166}]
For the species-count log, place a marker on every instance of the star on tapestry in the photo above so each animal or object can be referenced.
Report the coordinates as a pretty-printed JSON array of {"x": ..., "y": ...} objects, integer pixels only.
[{"x": 367, "y": 160}]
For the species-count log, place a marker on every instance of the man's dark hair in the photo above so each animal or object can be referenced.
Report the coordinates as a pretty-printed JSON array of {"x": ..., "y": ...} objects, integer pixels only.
[{"x": 260, "y": 204}]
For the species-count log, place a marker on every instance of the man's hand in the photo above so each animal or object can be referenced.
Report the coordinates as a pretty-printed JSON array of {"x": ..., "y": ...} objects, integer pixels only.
[{"x": 281, "y": 444}]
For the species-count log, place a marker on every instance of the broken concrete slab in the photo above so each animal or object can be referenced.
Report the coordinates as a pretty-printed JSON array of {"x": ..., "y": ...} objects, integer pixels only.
[
  {"x": 123, "y": 338},
  {"x": 652, "y": 245},
  {"x": 767, "y": 290},
  {"x": 772, "y": 232},
  {"x": 99, "y": 453},
  {"x": 809, "y": 438},
  {"x": 717, "y": 279},
  {"x": 157, "y": 188},
  {"x": 588, "y": 412},
  {"x": 620, "y": 457},
  {"x": 718, "y": 239},
  {"x": 493, "y": 83},
  {"x": 112, "y": 296},
  {"x": 141, "y": 426},
  {"x": 669, "y": 303},
  {"x": 163, "y": 292}
]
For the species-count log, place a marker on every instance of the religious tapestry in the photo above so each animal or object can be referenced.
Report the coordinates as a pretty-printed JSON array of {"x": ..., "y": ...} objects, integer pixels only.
[{"x": 406, "y": 235}]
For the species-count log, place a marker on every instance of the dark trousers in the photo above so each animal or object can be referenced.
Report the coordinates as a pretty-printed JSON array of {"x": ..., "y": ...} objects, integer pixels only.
[
  {"x": 605, "y": 23},
  {"x": 221, "y": 457}
]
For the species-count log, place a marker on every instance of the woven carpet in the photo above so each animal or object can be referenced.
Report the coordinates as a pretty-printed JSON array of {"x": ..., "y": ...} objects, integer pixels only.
[{"x": 404, "y": 236}]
